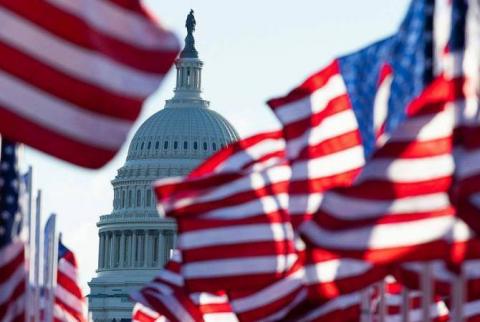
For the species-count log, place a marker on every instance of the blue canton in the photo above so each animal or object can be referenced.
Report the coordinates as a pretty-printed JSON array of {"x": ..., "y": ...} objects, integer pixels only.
[
  {"x": 10, "y": 217},
  {"x": 409, "y": 53}
]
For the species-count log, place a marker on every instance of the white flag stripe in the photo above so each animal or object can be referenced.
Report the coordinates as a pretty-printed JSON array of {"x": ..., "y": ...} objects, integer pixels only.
[
  {"x": 170, "y": 276},
  {"x": 352, "y": 208},
  {"x": 10, "y": 251},
  {"x": 332, "y": 126},
  {"x": 68, "y": 269},
  {"x": 468, "y": 164},
  {"x": 409, "y": 170},
  {"x": 61, "y": 116},
  {"x": 263, "y": 205},
  {"x": 219, "y": 317},
  {"x": 237, "y": 234},
  {"x": 63, "y": 315},
  {"x": 244, "y": 157},
  {"x": 15, "y": 309},
  {"x": 69, "y": 299},
  {"x": 240, "y": 265},
  {"x": 207, "y": 298},
  {"x": 111, "y": 19},
  {"x": 427, "y": 127},
  {"x": 383, "y": 235},
  {"x": 335, "y": 269},
  {"x": 73, "y": 60},
  {"x": 329, "y": 165},
  {"x": 314, "y": 103}
]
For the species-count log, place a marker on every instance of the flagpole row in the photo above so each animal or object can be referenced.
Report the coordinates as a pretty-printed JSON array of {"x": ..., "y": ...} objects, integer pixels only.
[
  {"x": 458, "y": 297},
  {"x": 36, "y": 269},
  {"x": 405, "y": 304}
]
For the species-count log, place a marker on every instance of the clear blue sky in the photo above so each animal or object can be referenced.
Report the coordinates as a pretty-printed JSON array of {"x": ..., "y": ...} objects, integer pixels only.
[{"x": 253, "y": 50}]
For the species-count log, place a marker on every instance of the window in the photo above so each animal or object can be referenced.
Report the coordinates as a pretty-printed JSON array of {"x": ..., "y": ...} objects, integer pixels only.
[
  {"x": 149, "y": 197},
  {"x": 149, "y": 145},
  {"x": 123, "y": 199},
  {"x": 185, "y": 145},
  {"x": 141, "y": 147},
  {"x": 139, "y": 198},
  {"x": 130, "y": 198},
  {"x": 195, "y": 145},
  {"x": 214, "y": 146},
  {"x": 157, "y": 145},
  {"x": 175, "y": 145},
  {"x": 205, "y": 146},
  {"x": 165, "y": 145}
]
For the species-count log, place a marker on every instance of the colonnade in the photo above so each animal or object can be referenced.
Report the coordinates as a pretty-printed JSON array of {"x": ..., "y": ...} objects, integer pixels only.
[{"x": 134, "y": 248}]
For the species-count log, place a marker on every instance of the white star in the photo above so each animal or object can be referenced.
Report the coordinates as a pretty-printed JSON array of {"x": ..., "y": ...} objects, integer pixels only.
[
  {"x": 5, "y": 166},
  {"x": 5, "y": 215},
  {"x": 9, "y": 199},
  {"x": 2, "y": 182},
  {"x": 9, "y": 150},
  {"x": 15, "y": 184}
]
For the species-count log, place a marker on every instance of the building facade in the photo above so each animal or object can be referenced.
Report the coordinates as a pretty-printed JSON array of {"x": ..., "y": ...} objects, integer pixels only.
[{"x": 135, "y": 240}]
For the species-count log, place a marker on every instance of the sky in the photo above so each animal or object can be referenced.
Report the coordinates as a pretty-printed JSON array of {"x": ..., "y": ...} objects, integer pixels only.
[{"x": 253, "y": 51}]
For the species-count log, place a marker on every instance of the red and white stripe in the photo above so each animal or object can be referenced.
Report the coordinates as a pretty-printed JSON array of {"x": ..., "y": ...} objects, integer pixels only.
[
  {"x": 399, "y": 208},
  {"x": 234, "y": 229},
  {"x": 12, "y": 282},
  {"x": 74, "y": 73},
  {"x": 69, "y": 303},
  {"x": 323, "y": 140},
  {"x": 167, "y": 298}
]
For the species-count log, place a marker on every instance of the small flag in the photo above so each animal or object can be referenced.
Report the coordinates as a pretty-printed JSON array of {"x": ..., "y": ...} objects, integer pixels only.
[{"x": 12, "y": 248}]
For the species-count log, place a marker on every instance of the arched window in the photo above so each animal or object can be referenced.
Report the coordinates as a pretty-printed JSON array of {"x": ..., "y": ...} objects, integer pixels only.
[
  {"x": 139, "y": 198},
  {"x": 185, "y": 145},
  {"x": 157, "y": 144},
  {"x": 149, "y": 145},
  {"x": 205, "y": 146},
  {"x": 149, "y": 197},
  {"x": 123, "y": 199},
  {"x": 130, "y": 198},
  {"x": 195, "y": 145},
  {"x": 175, "y": 145},
  {"x": 141, "y": 147},
  {"x": 214, "y": 146},
  {"x": 165, "y": 145}
]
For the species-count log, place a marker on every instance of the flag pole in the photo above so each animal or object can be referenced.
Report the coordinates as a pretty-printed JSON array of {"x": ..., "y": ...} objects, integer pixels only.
[
  {"x": 426, "y": 287},
  {"x": 458, "y": 297},
  {"x": 382, "y": 305},
  {"x": 36, "y": 269},
  {"x": 365, "y": 314},
  {"x": 405, "y": 305},
  {"x": 50, "y": 266},
  {"x": 29, "y": 236}
]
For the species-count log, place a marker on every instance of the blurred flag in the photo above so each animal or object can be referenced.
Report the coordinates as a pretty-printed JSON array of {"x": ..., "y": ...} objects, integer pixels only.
[
  {"x": 74, "y": 74},
  {"x": 335, "y": 119},
  {"x": 12, "y": 248},
  {"x": 69, "y": 303}
]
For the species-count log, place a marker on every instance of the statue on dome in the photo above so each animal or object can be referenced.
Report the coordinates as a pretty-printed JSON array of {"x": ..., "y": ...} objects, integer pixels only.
[
  {"x": 189, "y": 51},
  {"x": 190, "y": 24}
]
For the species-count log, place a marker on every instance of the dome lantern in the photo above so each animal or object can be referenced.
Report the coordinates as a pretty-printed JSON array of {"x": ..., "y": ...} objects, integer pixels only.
[{"x": 188, "y": 88}]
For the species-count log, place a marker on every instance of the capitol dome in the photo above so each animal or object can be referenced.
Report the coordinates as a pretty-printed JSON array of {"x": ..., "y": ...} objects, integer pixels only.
[{"x": 134, "y": 239}]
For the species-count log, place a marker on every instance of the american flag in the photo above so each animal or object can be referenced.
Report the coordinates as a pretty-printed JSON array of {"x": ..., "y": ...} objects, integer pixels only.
[
  {"x": 334, "y": 120},
  {"x": 74, "y": 74},
  {"x": 69, "y": 302},
  {"x": 12, "y": 256}
]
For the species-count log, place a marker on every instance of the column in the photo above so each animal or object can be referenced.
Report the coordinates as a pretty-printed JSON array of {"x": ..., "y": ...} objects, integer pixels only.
[
  {"x": 106, "y": 258},
  {"x": 134, "y": 249},
  {"x": 146, "y": 242},
  {"x": 122, "y": 250},
  {"x": 101, "y": 253},
  {"x": 161, "y": 249},
  {"x": 112, "y": 249}
]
